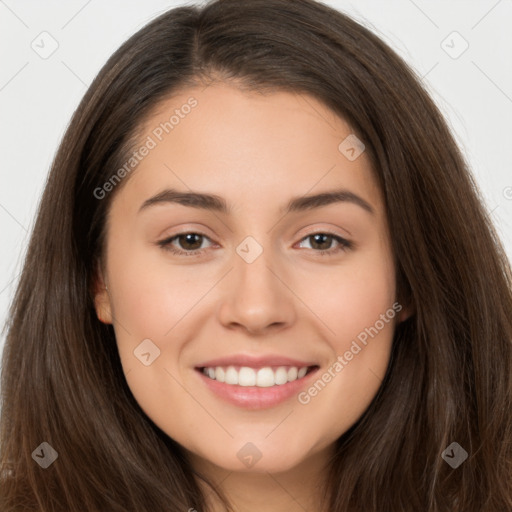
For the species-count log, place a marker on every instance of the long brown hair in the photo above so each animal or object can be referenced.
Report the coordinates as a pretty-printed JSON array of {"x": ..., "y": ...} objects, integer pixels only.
[{"x": 449, "y": 378}]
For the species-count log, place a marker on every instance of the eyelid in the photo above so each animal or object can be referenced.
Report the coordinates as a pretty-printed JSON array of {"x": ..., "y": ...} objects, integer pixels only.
[
  {"x": 184, "y": 229},
  {"x": 328, "y": 231}
]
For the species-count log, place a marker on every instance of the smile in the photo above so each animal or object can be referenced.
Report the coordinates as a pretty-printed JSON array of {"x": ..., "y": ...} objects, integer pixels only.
[{"x": 256, "y": 388}]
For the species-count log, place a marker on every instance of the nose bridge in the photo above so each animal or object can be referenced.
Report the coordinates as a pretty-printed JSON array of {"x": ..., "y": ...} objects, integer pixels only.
[
  {"x": 255, "y": 282},
  {"x": 255, "y": 297},
  {"x": 252, "y": 266}
]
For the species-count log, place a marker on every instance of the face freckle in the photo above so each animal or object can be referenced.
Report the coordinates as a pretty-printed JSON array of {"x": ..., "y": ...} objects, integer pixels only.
[{"x": 274, "y": 275}]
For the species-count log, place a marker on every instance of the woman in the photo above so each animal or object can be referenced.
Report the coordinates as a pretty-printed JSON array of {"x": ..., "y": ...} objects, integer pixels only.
[{"x": 338, "y": 337}]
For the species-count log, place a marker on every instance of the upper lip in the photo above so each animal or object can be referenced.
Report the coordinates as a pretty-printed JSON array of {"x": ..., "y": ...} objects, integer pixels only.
[{"x": 255, "y": 361}]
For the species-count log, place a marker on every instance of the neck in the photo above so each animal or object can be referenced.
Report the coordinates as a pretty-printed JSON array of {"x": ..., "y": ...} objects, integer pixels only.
[{"x": 296, "y": 490}]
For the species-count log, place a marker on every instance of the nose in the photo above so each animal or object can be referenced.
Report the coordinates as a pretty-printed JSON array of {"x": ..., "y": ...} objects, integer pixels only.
[{"x": 256, "y": 298}]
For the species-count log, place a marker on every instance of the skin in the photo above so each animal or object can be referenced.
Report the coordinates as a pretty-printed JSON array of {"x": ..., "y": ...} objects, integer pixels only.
[{"x": 257, "y": 151}]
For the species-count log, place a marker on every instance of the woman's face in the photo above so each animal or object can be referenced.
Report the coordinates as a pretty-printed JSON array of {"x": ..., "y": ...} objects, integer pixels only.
[{"x": 258, "y": 289}]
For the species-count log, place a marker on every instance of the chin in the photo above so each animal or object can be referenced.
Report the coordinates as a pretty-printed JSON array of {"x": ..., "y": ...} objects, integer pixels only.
[{"x": 249, "y": 459}]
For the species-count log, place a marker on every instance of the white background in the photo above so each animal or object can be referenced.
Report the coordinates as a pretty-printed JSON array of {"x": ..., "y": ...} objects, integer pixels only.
[{"x": 38, "y": 96}]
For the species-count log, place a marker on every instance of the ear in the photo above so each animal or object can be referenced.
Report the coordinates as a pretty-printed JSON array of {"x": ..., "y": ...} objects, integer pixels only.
[
  {"x": 406, "y": 312},
  {"x": 101, "y": 298}
]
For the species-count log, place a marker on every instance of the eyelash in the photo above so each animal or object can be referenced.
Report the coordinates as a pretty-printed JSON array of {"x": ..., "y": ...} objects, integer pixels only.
[{"x": 165, "y": 244}]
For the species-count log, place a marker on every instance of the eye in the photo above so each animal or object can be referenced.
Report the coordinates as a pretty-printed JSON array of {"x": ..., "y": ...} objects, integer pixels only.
[
  {"x": 190, "y": 241},
  {"x": 321, "y": 240}
]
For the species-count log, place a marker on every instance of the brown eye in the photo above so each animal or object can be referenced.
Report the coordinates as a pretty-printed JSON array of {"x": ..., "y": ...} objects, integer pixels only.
[
  {"x": 190, "y": 241},
  {"x": 322, "y": 243},
  {"x": 187, "y": 244}
]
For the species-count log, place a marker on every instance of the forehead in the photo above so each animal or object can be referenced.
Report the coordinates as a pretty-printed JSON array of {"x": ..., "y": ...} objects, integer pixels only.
[{"x": 242, "y": 144}]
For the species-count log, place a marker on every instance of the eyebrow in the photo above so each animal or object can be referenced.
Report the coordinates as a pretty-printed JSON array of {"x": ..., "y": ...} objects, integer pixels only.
[{"x": 216, "y": 203}]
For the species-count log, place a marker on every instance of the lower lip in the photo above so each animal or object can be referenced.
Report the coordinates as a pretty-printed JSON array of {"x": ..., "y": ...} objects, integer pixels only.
[{"x": 253, "y": 397}]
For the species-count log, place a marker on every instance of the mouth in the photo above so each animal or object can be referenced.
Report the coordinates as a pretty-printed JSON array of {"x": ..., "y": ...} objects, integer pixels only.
[{"x": 256, "y": 388}]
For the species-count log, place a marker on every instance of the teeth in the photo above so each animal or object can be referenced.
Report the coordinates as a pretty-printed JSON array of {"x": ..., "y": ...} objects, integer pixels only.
[
  {"x": 246, "y": 377},
  {"x": 266, "y": 377},
  {"x": 263, "y": 377},
  {"x": 220, "y": 374},
  {"x": 292, "y": 373},
  {"x": 302, "y": 372},
  {"x": 231, "y": 376}
]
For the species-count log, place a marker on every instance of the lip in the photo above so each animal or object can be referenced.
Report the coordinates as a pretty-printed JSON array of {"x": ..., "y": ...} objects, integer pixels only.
[
  {"x": 253, "y": 397},
  {"x": 255, "y": 361}
]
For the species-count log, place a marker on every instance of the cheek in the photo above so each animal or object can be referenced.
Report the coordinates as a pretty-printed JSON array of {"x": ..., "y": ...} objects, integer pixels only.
[
  {"x": 351, "y": 297},
  {"x": 151, "y": 295},
  {"x": 359, "y": 306},
  {"x": 364, "y": 298},
  {"x": 151, "y": 301}
]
